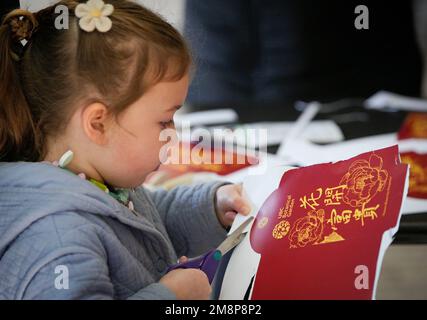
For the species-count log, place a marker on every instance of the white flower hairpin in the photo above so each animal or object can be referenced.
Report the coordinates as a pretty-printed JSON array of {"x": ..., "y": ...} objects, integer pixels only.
[{"x": 94, "y": 15}]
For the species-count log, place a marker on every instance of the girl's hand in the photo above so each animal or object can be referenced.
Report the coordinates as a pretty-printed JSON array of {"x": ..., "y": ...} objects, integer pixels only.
[
  {"x": 187, "y": 284},
  {"x": 228, "y": 202}
]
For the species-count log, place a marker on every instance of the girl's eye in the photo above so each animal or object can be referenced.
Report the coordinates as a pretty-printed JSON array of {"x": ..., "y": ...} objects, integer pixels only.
[{"x": 167, "y": 124}]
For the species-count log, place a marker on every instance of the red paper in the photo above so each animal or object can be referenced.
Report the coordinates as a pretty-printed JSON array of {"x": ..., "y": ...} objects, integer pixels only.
[
  {"x": 323, "y": 223},
  {"x": 418, "y": 173},
  {"x": 231, "y": 161},
  {"x": 414, "y": 126}
]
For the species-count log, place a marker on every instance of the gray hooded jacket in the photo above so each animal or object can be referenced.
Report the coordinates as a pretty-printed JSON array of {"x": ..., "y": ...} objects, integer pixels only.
[{"x": 63, "y": 238}]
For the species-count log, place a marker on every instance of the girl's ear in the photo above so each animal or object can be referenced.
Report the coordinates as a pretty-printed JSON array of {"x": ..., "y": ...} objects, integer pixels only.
[{"x": 96, "y": 118}]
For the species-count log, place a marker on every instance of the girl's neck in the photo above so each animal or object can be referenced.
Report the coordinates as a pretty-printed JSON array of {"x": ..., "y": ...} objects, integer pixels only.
[
  {"x": 66, "y": 162},
  {"x": 77, "y": 166}
]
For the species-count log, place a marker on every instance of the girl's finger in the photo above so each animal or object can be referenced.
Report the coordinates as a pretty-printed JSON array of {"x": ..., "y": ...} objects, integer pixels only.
[
  {"x": 183, "y": 259},
  {"x": 240, "y": 205},
  {"x": 230, "y": 216},
  {"x": 232, "y": 200}
]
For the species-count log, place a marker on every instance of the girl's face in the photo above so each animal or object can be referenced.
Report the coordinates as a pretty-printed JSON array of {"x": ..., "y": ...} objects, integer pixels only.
[{"x": 134, "y": 143}]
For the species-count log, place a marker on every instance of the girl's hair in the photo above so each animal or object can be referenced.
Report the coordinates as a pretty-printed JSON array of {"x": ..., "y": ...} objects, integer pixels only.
[{"x": 42, "y": 82}]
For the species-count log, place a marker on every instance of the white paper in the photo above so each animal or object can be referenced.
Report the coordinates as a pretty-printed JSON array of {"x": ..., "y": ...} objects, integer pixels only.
[
  {"x": 414, "y": 205},
  {"x": 208, "y": 117},
  {"x": 306, "y": 153},
  {"x": 244, "y": 262},
  {"x": 299, "y": 126},
  {"x": 319, "y": 131},
  {"x": 387, "y": 100}
]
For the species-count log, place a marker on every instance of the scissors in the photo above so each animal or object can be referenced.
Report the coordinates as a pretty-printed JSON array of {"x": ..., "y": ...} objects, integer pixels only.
[{"x": 209, "y": 261}]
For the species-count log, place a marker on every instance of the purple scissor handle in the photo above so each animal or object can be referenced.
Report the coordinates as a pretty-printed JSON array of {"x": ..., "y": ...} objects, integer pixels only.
[{"x": 209, "y": 261}]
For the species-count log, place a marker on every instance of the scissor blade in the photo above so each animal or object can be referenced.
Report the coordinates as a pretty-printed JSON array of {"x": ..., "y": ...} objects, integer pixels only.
[{"x": 234, "y": 238}]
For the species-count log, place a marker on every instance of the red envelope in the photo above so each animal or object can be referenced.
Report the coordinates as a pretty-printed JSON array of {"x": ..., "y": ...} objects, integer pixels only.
[
  {"x": 229, "y": 163},
  {"x": 418, "y": 173},
  {"x": 323, "y": 227},
  {"x": 414, "y": 126}
]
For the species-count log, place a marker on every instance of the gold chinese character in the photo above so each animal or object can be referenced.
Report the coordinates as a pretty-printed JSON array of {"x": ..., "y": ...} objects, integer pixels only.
[
  {"x": 346, "y": 216},
  {"x": 312, "y": 201},
  {"x": 333, "y": 218},
  {"x": 336, "y": 218},
  {"x": 366, "y": 213},
  {"x": 334, "y": 195}
]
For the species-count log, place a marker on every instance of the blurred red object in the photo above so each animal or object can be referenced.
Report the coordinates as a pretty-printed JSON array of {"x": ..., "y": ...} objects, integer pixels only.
[
  {"x": 414, "y": 126},
  {"x": 192, "y": 158},
  {"x": 418, "y": 173}
]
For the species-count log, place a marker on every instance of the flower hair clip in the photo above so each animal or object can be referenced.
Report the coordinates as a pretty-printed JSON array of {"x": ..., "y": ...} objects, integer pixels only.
[{"x": 94, "y": 15}]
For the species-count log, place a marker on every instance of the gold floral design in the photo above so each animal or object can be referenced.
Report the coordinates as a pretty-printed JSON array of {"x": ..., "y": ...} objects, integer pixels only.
[
  {"x": 281, "y": 229},
  {"x": 364, "y": 179},
  {"x": 308, "y": 229}
]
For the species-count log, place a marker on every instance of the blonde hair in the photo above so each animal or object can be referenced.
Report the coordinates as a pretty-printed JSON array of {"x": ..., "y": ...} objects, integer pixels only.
[{"x": 60, "y": 68}]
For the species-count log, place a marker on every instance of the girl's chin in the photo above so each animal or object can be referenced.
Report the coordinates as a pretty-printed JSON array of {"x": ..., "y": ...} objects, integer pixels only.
[
  {"x": 135, "y": 182},
  {"x": 158, "y": 166},
  {"x": 138, "y": 179}
]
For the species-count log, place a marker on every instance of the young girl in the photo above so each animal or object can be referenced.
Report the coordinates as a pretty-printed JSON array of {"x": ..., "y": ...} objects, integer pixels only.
[{"x": 95, "y": 95}]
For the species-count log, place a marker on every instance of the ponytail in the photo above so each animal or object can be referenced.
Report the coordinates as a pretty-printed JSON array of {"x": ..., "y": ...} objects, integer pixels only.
[{"x": 18, "y": 136}]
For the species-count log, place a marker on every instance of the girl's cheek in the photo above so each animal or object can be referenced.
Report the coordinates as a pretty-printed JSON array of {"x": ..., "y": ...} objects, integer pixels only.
[{"x": 163, "y": 154}]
